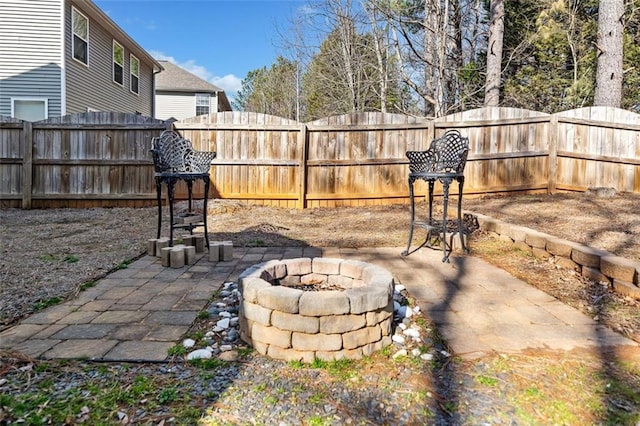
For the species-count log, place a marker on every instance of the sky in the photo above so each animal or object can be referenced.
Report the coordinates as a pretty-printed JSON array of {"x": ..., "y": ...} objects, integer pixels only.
[{"x": 218, "y": 40}]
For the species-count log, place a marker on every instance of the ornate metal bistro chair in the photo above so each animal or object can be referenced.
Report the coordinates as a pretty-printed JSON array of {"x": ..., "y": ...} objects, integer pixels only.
[
  {"x": 444, "y": 161},
  {"x": 174, "y": 159}
]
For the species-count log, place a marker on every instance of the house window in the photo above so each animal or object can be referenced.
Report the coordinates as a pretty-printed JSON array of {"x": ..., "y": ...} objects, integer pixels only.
[
  {"x": 29, "y": 109},
  {"x": 134, "y": 69},
  {"x": 203, "y": 103},
  {"x": 80, "y": 43},
  {"x": 118, "y": 63}
]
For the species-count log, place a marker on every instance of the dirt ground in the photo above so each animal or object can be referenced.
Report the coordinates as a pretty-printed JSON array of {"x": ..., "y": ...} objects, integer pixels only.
[{"x": 47, "y": 255}]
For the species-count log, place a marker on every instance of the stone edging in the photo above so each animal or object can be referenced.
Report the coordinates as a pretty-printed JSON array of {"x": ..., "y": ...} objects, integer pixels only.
[
  {"x": 595, "y": 264},
  {"x": 287, "y": 323}
]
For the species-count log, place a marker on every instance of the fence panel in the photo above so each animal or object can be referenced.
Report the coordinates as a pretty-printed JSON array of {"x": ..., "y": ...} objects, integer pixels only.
[
  {"x": 599, "y": 147},
  {"x": 11, "y": 161},
  {"x": 509, "y": 148},
  {"x": 359, "y": 159},
  {"x": 258, "y": 159},
  {"x": 94, "y": 159}
]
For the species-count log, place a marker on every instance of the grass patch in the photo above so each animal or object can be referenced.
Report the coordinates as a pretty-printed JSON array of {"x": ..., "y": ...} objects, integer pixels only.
[
  {"x": 207, "y": 363},
  {"x": 487, "y": 381},
  {"x": 559, "y": 390},
  {"x": 48, "y": 257},
  {"x": 244, "y": 352},
  {"x": 43, "y": 304},
  {"x": 167, "y": 395},
  {"x": 97, "y": 400},
  {"x": 70, "y": 258},
  {"x": 177, "y": 350},
  {"x": 319, "y": 421},
  {"x": 87, "y": 285},
  {"x": 123, "y": 265},
  {"x": 342, "y": 369},
  {"x": 256, "y": 242}
]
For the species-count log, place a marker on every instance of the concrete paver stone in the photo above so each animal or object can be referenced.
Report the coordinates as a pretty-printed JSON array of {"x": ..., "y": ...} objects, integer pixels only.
[
  {"x": 18, "y": 334},
  {"x": 93, "y": 349},
  {"x": 139, "y": 351},
  {"x": 84, "y": 331}
]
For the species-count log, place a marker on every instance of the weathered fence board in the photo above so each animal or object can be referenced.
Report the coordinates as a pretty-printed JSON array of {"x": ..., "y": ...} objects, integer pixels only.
[
  {"x": 103, "y": 159},
  {"x": 258, "y": 156},
  {"x": 598, "y": 147},
  {"x": 82, "y": 160},
  {"x": 508, "y": 151}
]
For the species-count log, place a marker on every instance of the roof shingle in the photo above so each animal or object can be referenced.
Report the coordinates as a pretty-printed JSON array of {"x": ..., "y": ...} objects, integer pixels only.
[{"x": 174, "y": 78}]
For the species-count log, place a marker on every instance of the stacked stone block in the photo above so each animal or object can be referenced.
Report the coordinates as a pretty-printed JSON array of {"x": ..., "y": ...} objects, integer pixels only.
[
  {"x": 288, "y": 323},
  {"x": 178, "y": 255},
  {"x": 622, "y": 274},
  {"x": 221, "y": 251}
]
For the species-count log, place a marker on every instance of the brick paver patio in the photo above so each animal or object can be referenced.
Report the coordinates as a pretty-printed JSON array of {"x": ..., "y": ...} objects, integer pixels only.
[{"x": 138, "y": 313}]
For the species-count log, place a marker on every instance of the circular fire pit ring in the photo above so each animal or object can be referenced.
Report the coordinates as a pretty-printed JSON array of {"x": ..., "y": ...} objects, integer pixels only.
[{"x": 307, "y": 308}]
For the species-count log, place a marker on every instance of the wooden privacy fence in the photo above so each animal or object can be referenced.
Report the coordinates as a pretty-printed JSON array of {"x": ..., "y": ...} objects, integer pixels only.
[
  {"x": 102, "y": 159},
  {"x": 359, "y": 159},
  {"x": 79, "y": 160}
]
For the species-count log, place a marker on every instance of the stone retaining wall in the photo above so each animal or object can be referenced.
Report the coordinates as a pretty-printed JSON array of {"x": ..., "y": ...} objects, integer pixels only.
[
  {"x": 598, "y": 265},
  {"x": 285, "y": 322}
]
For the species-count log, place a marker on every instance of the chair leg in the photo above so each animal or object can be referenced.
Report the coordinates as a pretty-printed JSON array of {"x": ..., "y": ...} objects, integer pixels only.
[
  {"x": 413, "y": 218},
  {"x": 445, "y": 202},
  {"x": 207, "y": 181},
  {"x": 190, "y": 192},
  {"x": 432, "y": 184},
  {"x": 170, "y": 189},
  {"x": 460, "y": 225},
  {"x": 159, "y": 195}
]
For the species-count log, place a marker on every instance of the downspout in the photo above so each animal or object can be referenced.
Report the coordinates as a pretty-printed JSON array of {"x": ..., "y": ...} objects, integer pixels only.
[
  {"x": 63, "y": 63},
  {"x": 153, "y": 93}
]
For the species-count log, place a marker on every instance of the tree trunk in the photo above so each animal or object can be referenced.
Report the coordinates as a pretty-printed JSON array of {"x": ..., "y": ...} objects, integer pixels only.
[
  {"x": 610, "y": 47},
  {"x": 494, "y": 54}
]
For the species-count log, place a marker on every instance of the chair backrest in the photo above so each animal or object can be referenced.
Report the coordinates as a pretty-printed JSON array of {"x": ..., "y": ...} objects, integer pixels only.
[
  {"x": 450, "y": 152},
  {"x": 447, "y": 154},
  {"x": 174, "y": 154}
]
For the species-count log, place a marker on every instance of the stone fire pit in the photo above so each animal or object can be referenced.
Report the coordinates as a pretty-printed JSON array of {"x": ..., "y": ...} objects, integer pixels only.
[{"x": 306, "y": 308}]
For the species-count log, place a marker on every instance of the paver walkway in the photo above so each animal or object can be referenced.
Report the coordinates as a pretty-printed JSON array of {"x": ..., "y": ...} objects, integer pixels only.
[{"x": 138, "y": 313}]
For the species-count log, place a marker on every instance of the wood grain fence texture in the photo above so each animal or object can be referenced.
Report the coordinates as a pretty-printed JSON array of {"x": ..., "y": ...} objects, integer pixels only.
[
  {"x": 98, "y": 159},
  {"x": 102, "y": 159}
]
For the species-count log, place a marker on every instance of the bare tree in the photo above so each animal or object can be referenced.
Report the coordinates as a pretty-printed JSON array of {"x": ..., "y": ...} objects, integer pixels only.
[
  {"x": 379, "y": 31},
  {"x": 609, "y": 72},
  {"x": 494, "y": 54}
]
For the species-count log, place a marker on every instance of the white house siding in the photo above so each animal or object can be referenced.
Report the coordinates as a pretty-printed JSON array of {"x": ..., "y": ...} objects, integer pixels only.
[
  {"x": 175, "y": 104},
  {"x": 92, "y": 86},
  {"x": 30, "y": 55}
]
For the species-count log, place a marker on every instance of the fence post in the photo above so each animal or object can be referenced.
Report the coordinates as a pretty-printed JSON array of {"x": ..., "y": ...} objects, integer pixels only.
[
  {"x": 303, "y": 141},
  {"x": 431, "y": 132},
  {"x": 27, "y": 164},
  {"x": 552, "y": 170}
]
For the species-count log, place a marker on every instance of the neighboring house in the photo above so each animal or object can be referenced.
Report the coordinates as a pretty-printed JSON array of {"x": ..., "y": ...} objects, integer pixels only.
[
  {"x": 59, "y": 57},
  {"x": 180, "y": 94}
]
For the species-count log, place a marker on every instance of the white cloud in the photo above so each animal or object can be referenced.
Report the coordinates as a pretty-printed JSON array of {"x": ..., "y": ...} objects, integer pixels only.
[{"x": 229, "y": 83}]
